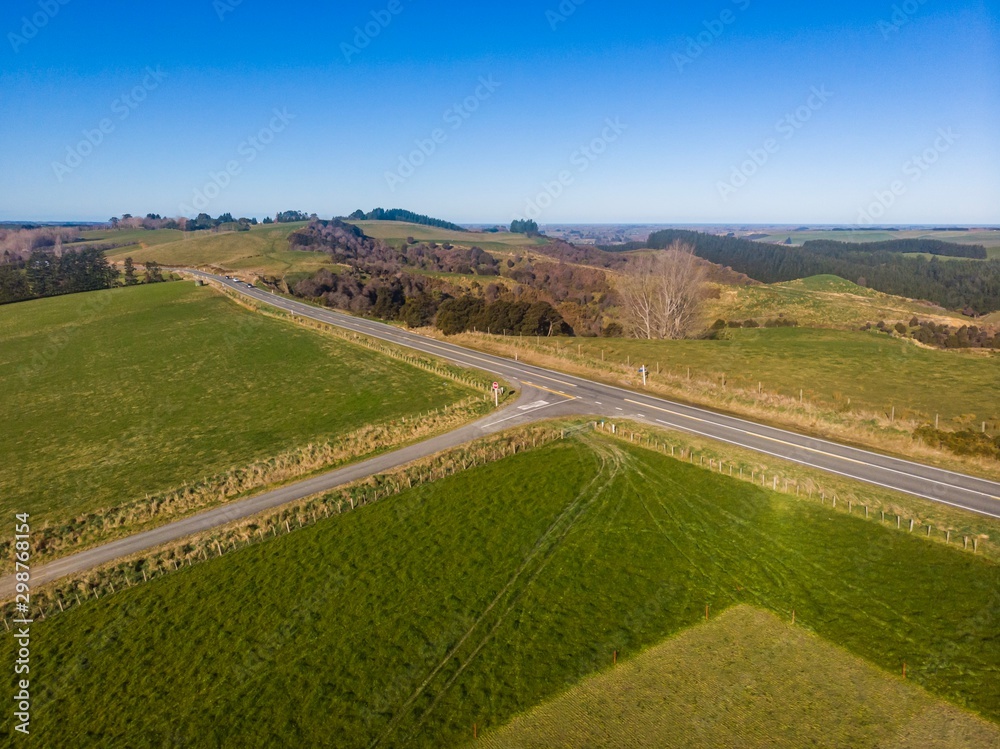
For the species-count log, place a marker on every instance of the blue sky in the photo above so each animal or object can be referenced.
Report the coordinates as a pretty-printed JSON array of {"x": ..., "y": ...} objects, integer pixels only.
[{"x": 712, "y": 112}]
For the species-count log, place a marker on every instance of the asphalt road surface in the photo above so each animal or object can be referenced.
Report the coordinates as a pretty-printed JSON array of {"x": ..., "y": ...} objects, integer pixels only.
[{"x": 546, "y": 393}]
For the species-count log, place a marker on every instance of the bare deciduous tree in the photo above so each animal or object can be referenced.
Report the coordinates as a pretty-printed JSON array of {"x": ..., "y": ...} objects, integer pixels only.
[{"x": 662, "y": 293}]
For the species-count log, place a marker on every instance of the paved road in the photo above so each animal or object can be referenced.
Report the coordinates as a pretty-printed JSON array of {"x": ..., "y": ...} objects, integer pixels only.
[
  {"x": 526, "y": 408},
  {"x": 582, "y": 396},
  {"x": 544, "y": 394}
]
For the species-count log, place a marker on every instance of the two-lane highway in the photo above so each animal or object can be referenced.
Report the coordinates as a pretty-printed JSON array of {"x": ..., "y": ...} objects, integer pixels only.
[{"x": 586, "y": 397}]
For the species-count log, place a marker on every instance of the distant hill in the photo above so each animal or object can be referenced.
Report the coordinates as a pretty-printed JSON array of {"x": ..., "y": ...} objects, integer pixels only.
[
  {"x": 970, "y": 285},
  {"x": 399, "y": 214}
]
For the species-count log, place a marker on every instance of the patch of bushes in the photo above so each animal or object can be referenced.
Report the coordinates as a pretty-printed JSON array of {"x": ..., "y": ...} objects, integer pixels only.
[
  {"x": 941, "y": 336},
  {"x": 965, "y": 442}
]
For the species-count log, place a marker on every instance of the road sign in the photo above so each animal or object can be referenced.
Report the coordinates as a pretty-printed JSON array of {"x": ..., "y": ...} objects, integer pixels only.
[
  {"x": 496, "y": 385},
  {"x": 496, "y": 394}
]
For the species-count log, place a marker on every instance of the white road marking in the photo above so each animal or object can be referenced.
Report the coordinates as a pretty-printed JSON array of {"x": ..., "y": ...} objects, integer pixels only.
[
  {"x": 530, "y": 406},
  {"x": 830, "y": 470}
]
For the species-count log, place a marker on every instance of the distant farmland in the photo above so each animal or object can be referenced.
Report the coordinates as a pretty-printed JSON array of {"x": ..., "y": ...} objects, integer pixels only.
[{"x": 471, "y": 600}]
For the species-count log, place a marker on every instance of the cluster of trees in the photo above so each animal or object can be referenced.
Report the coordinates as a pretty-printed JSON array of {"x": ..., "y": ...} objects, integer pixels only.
[
  {"x": 967, "y": 285},
  {"x": 381, "y": 295},
  {"x": 411, "y": 300},
  {"x": 448, "y": 259},
  {"x": 345, "y": 243},
  {"x": 399, "y": 214},
  {"x": 153, "y": 273},
  {"x": 501, "y": 317},
  {"x": 583, "y": 294},
  {"x": 943, "y": 336},
  {"x": 224, "y": 221},
  {"x": 45, "y": 273},
  {"x": 202, "y": 221},
  {"x": 150, "y": 222},
  {"x": 526, "y": 226},
  {"x": 290, "y": 217}
]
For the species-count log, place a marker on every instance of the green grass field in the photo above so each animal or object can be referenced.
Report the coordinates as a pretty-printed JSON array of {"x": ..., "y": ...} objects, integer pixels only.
[
  {"x": 823, "y": 302},
  {"x": 263, "y": 250},
  {"x": 472, "y": 599},
  {"x": 113, "y": 394},
  {"x": 745, "y": 679},
  {"x": 134, "y": 237},
  {"x": 397, "y": 231}
]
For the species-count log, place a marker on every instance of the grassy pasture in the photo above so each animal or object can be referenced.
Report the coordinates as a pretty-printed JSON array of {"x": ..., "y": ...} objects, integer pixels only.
[
  {"x": 397, "y": 231},
  {"x": 477, "y": 597},
  {"x": 113, "y": 394},
  {"x": 263, "y": 250},
  {"x": 745, "y": 679},
  {"x": 823, "y": 302},
  {"x": 136, "y": 237},
  {"x": 876, "y": 372}
]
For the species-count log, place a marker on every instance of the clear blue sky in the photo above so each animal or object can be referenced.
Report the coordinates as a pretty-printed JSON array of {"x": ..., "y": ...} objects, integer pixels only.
[{"x": 354, "y": 116}]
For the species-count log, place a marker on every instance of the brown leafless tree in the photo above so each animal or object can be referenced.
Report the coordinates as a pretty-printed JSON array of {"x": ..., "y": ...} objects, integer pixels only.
[{"x": 662, "y": 293}]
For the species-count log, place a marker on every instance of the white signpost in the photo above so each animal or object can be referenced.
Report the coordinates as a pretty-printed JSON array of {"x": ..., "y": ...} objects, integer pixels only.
[
  {"x": 496, "y": 394},
  {"x": 644, "y": 371}
]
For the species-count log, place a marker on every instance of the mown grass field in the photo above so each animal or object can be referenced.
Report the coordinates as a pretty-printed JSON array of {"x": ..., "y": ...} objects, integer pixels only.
[
  {"x": 745, "y": 679},
  {"x": 823, "y": 302},
  {"x": 472, "y": 599},
  {"x": 113, "y": 394}
]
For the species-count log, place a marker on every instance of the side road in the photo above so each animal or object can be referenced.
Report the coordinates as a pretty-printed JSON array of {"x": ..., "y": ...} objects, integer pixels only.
[{"x": 523, "y": 410}]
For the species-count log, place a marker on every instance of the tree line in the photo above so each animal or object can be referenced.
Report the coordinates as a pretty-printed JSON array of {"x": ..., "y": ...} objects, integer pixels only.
[
  {"x": 969, "y": 285},
  {"x": 47, "y": 274},
  {"x": 399, "y": 214}
]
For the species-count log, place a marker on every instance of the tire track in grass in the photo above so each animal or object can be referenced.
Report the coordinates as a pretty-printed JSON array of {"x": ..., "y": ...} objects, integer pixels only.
[
  {"x": 543, "y": 546},
  {"x": 618, "y": 460}
]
